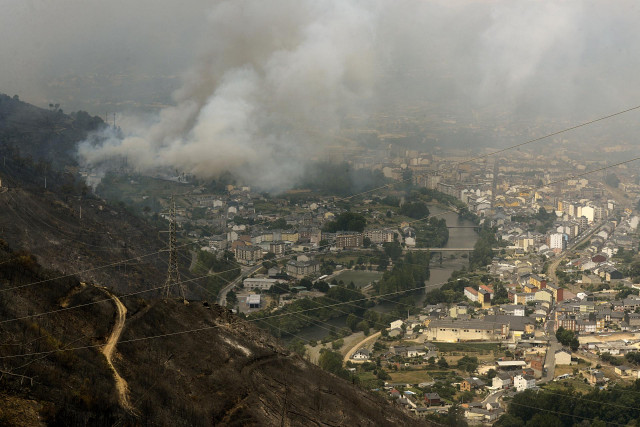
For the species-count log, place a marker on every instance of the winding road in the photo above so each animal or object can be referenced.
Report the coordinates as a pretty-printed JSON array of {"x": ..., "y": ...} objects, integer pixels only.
[
  {"x": 359, "y": 345},
  {"x": 109, "y": 348}
]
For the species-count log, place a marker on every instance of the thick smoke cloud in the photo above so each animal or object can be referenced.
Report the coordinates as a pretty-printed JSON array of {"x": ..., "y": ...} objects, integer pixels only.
[
  {"x": 267, "y": 92},
  {"x": 265, "y": 85}
]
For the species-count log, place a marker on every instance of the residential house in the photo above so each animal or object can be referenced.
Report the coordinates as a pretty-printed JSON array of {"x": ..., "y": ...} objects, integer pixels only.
[
  {"x": 502, "y": 380},
  {"x": 595, "y": 377},
  {"x": 472, "y": 383},
  {"x": 379, "y": 236},
  {"x": 416, "y": 352},
  {"x": 623, "y": 370},
  {"x": 361, "y": 354},
  {"x": 432, "y": 399},
  {"x": 513, "y": 309}
]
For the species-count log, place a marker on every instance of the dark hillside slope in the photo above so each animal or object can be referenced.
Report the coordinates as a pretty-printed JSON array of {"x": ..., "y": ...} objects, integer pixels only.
[
  {"x": 228, "y": 373},
  {"x": 50, "y": 227},
  {"x": 48, "y": 387},
  {"x": 233, "y": 373},
  {"x": 41, "y": 134},
  {"x": 47, "y": 209}
]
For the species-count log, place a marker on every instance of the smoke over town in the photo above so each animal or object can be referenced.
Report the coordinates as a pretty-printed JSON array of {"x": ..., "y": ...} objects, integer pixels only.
[
  {"x": 268, "y": 88},
  {"x": 265, "y": 86}
]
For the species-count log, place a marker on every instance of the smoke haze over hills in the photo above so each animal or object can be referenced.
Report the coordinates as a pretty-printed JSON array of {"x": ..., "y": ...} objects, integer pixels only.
[{"x": 264, "y": 86}]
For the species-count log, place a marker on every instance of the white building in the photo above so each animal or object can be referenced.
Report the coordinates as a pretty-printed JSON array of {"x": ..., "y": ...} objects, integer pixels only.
[
  {"x": 524, "y": 382},
  {"x": 557, "y": 242},
  {"x": 262, "y": 283},
  {"x": 589, "y": 213},
  {"x": 362, "y": 354},
  {"x": 471, "y": 293},
  {"x": 395, "y": 324},
  {"x": 502, "y": 380}
]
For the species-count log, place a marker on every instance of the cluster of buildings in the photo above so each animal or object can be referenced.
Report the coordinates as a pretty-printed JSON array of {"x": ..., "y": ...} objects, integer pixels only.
[{"x": 600, "y": 312}]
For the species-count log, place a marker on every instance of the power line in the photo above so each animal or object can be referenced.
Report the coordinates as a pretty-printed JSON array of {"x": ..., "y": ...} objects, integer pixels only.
[
  {"x": 563, "y": 413},
  {"x": 587, "y": 123},
  {"x": 216, "y": 326},
  {"x": 86, "y": 270},
  {"x": 588, "y": 400},
  {"x": 197, "y": 278},
  {"x": 173, "y": 274}
]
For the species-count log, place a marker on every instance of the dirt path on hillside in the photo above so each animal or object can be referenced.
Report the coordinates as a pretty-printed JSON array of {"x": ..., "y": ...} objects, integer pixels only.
[{"x": 109, "y": 348}]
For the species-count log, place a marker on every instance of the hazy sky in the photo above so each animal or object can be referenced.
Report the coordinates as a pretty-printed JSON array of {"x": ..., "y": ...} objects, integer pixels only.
[{"x": 252, "y": 79}]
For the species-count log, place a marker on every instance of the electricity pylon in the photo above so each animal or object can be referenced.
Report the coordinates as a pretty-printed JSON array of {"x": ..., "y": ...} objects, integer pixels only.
[{"x": 173, "y": 274}]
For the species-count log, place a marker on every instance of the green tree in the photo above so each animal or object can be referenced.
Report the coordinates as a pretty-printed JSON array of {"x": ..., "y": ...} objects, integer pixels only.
[
  {"x": 382, "y": 375},
  {"x": 442, "y": 363},
  {"x": 346, "y": 221},
  {"x": 455, "y": 416},
  {"x": 363, "y": 326},
  {"x": 501, "y": 296},
  {"x": 544, "y": 419},
  {"x": 415, "y": 210},
  {"x": 232, "y": 298},
  {"x": 331, "y": 361},
  {"x": 352, "y": 321},
  {"x": 393, "y": 250},
  {"x": 508, "y": 420},
  {"x": 467, "y": 363},
  {"x": 297, "y": 346}
]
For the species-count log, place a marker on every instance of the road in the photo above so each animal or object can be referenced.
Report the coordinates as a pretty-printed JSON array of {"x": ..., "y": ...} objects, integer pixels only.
[
  {"x": 244, "y": 272},
  {"x": 550, "y": 358},
  {"x": 109, "y": 348},
  {"x": 551, "y": 270},
  {"x": 492, "y": 399},
  {"x": 359, "y": 346}
]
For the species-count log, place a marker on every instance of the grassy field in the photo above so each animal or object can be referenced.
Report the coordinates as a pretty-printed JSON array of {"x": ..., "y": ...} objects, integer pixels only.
[
  {"x": 577, "y": 384},
  {"x": 358, "y": 277},
  {"x": 409, "y": 377},
  {"x": 467, "y": 347},
  {"x": 568, "y": 369}
]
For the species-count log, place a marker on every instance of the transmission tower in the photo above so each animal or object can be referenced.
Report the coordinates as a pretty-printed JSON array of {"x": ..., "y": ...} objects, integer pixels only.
[{"x": 173, "y": 275}]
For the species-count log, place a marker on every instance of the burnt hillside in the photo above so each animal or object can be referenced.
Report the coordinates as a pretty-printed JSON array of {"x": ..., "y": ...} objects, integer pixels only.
[
  {"x": 234, "y": 373},
  {"x": 44, "y": 386},
  {"x": 229, "y": 372},
  {"x": 43, "y": 134}
]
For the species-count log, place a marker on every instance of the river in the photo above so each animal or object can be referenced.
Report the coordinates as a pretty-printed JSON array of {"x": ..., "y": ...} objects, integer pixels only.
[{"x": 458, "y": 238}]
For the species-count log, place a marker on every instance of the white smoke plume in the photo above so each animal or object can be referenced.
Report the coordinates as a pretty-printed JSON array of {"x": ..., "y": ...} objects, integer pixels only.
[
  {"x": 266, "y": 94},
  {"x": 273, "y": 80}
]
